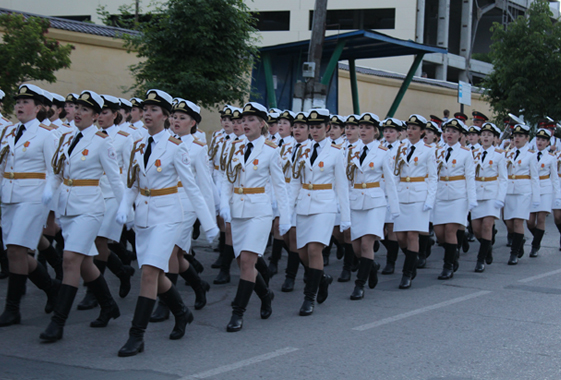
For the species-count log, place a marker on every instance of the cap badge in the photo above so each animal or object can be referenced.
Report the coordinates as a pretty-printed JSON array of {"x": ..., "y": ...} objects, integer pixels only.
[
  {"x": 85, "y": 96},
  {"x": 413, "y": 119},
  {"x": 314, "y": 115},
  {"x": 367, "y": 117},
  {"x": 247, "y": 108},
  {"x": 152, "y": 95},
  {"x": 23, "y": 90}
]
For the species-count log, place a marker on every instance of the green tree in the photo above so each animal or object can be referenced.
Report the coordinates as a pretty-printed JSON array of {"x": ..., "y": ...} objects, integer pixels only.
[
  {"x": 200, "y": 50},
  {"x": 28, "y": 54},
  {"x": 526, "y": 59}
]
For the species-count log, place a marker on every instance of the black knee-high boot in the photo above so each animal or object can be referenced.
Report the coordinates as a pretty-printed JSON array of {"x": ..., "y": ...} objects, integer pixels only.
[
  {"x": 4, "y": 265},
  {"x": 449, "y": 258},
  {"x": 11, "y": 314},
  {"x": 327, "y": 251},
  {"x": 162, "y": 310},
  {"x": 197, "y": 266},
  {"x": 245, "y": 288},
  {"x": 345, "y": 275},
  {"x": 121, "y": 251},
  {"x": 55, "y": 329},
  {"x": 409, "y": 269},
  {"x": 391, "y": 256},
  {"x": 292, "y": 265},
  {"x": 109, "y": 308},
  {"x": 364, "y": 271},
  {"x": 463, "y": 243},
  {"x": 89, "y": 301},
  {"x": 537, "y": 242},
  {"x": 52, "y": 257},
  {"x": 262, "y": 268},
  {"x": 278, "y": 245},
  {"x": 324, "y": 283},
  {"x": 199, "y": 286},
  {"x": 123, "y": 273},
  {"x": 182, "y": 314},
  {"x": 310, "y": 291},
  {"x": 59, "y": 242},
  {"x": 142, "y": 312},
  {"x": 266, "y": 296},
  {"x": 41, "y": 279},
  {"x": 484, "y": 248},
  {"x": 221, "y": 243},
  {"x": 224, "y": 274},
  {"x": 517, "y": 249},
  {"x": 424, "y": 241}
]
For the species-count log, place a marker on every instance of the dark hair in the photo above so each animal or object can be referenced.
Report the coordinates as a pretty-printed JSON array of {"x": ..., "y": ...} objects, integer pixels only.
[
  {"x": 62, "y": 114},
  {"x": 42, "y": 114},
  {"x": 166, "y": 113},
  {"x": 118, "y": 118}
]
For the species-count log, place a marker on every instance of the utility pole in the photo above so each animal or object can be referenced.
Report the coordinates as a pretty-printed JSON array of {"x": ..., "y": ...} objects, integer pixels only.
[{"x": 312, "y": 93}]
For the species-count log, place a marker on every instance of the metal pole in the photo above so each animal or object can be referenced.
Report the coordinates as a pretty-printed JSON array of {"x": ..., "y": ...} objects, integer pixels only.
[
  {"x": 333, "y": 62},
  {"x": 405, "y": 84},
  {"x": 271, "y": 96},
  {"x": 354, "y": 87},
  {"x": 318, "y": 33}
]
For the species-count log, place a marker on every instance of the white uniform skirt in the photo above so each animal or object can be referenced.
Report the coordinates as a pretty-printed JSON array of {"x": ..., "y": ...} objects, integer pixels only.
[
  {"x": 251, "y": 234},
  {"x": 484, "y": 209},
  {"x": 368, "y": 222},
  {"x": 412, "y": 218},
  {"x": 79, "y": 232},
  {"x": 517, "y": 206},
  {"x": 110, "y": 229},
  {"x": 154, "y": 244},
  {"x": 22, "y": 223},
  {"x": 546, "y": 202},
  {"x": 316, "y": 228},
  {"x": 450, "y": 211},
  {"x": 186, "y": 231}
]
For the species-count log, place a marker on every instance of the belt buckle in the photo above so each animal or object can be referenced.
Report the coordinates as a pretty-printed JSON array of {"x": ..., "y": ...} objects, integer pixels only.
[
  {"x": 408, "y": 179},
  {"x": 513, "y": 176},
  {"x": 147, "y": 192},
  {"x": 483, "y": 179},
  {"x": 310, "y": 187},
  {"x": 70, "y": 182},
  {"x": 364, "y": 185},
  {"x": 240, "y": 190},
  {"x": 12, "y": 175},
  {"x": 447, "y": 178}
]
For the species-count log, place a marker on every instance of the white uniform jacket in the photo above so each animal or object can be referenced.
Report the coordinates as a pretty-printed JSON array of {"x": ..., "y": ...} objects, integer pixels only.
[
  {"x": 547, "y": 171},
  {"x": 168, "y": 164},
  {"x": 490, "y": 175},
  {"x": 523, "y": 177},
  {"x": 31, "y": 154},
  {"x": 328, "y": 169},
  {"x": 421, "y": 165},
  {"x": 457, "y": 175},
  {"x": 136, "y": 132},
  {"x": 91, "y": 157},
  {"x": 366, "y": 190},
  {"x": 198, "y": 155},
  {"x": 263, "y": 165},
  {"x": 122, "y": 143}
]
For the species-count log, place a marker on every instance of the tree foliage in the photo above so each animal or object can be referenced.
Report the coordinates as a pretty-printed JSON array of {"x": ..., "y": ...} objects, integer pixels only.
[
  {"x": 28, "y": 54},
  {"x": 527, "y": 66},
  {"x": 200, "y": 50}
]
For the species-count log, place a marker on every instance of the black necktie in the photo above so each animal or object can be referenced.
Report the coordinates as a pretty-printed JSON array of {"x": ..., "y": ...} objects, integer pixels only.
[
  {"x": 20, "y": 132},
  {"x": 236, "y": 139},
  {"x": 472, "y": 147},
  {"x": 449, "y": 153},
  {"x": 295, "y": 151},
  {"x": 314, "y": 153},
  {"x": 74, "y": 143},
  {"x": 390, "y": 146},
  {"x": 484, "y": 155},
  {"x": 281, "y": 142},
  {"x": 516, "y": 155},
  {"x": 248, "y": 151},
  {"x": 363, "y": 155},
  {"x": 333, "y": 142},
  {"x": 148, "y": 151},
  {"x": 539, "y": 156},
  {"x": 105, "y": 131},
  {"x": 411, "y": 150},
  {"x": 227, "y": 137}
]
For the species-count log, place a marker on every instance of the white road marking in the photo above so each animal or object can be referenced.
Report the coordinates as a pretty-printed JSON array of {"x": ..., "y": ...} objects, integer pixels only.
[
  {"x": 540, "y": 276},
  {"x": 240, "y": 364},
  {"x": 419, "y": 311}
]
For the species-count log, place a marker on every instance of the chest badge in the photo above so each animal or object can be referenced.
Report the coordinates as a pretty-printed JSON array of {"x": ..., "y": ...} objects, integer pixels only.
[
  {"x": 158, "y": 164},
  {"x": 25, "y": 145},
  {"x": 371, "y": 165},
  {"x": 321, "y": 165},
  {"x": 85, "y": 152},
  {"x": 453, "y": 163},
  {"x": 255, "y": 163},
  {"x": 416, "y": 160}
]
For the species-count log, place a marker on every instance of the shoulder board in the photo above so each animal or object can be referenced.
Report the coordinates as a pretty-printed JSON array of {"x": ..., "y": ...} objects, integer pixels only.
[
  {"x": 239, "y": 141},
  {"x": 382, "y": 147},
  {"x": 199, "y": 142},
  {"x": 46, "y": 127},
  {"x": 464, "y": 148},
  {"x": 336, "y": 146},
  {"x": 551, "y": 154},
  {"x": 174, "y": 140},
  {"x": 6, "y": 120},
  {"x": 531, "y": 151},
  {"x": 198, "y": 130},
  {"x": 499, "y": 150},
  {"x": 123, "y": 133},
  {"x": 428, "y": 146},
  {"x": 101, "y": 134},
  {"x": 271, "y": 144},
  {"x": 133, "y": 127}
]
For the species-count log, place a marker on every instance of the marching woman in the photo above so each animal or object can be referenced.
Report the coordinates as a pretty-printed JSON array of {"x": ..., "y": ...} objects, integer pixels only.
[
  {"x": 27, "y": 149},
  {"x": 455, "y": 193},
  {"x": 157, "y": 163},
  {"x": 323, "y": 183},
  {"x": 251, "y": 164},
  {"x": 415, "y": 165},
  {"x": 366, "y": 172},
  {"x": 79, "y": 163},
  {"x": 549, "y": 189},
  {"x": 523, "y": 191},
  {"x": 490, "y": 186}
]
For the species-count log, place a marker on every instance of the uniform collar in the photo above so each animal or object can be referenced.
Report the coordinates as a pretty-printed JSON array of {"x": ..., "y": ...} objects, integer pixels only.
[
  {"x": 88, "y": 132},
  {"x": 373, "y": 145},
  {"x": 112, "y": 130},
  {"x": 158, "y": 136}
]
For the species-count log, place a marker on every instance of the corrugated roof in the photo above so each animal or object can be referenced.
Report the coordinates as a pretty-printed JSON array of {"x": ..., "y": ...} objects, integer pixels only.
[{"x": 77, "y": 26}]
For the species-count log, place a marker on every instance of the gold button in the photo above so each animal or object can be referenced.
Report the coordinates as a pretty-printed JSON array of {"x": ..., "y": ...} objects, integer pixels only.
[
  {"x": 240, "y": 190},
  {"x": 145, "y": 202},
  {"x": 308, "y": 195},
  {"x": 408, "y": 179},
  {"x": 310, "y": 186},
  {"x": 242, "y": 199},
  {"x": 364, "y": 186}
]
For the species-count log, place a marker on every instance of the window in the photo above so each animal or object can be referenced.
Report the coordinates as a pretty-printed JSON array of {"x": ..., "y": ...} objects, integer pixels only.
[
  {"x": 382, "y": 18},
  {"x": 272, "y": 21},
  {"x": 76, "y": 18}
]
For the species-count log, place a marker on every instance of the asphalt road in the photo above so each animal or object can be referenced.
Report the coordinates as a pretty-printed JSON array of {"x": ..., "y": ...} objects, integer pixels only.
[{"x": 502, "y": 324}]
